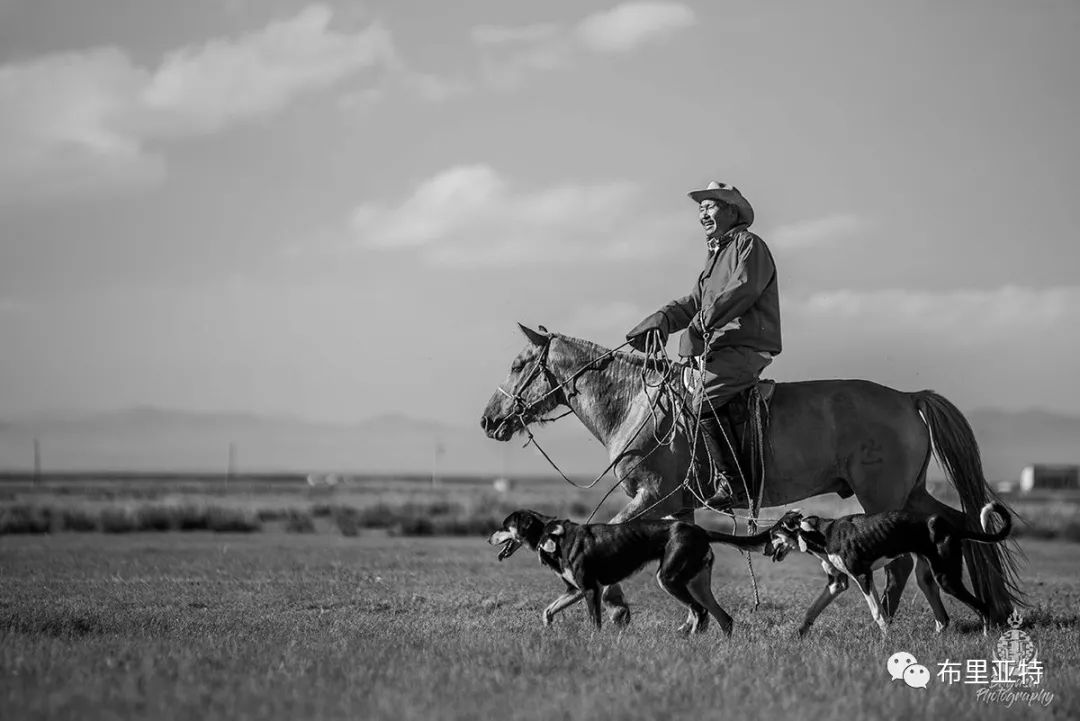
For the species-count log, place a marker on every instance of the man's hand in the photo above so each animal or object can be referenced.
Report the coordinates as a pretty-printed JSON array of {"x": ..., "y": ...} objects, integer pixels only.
[{"x": 639, "y": 334}]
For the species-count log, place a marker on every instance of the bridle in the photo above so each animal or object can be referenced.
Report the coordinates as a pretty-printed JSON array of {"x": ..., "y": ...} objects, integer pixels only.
[{"x": 520, "y": 407}]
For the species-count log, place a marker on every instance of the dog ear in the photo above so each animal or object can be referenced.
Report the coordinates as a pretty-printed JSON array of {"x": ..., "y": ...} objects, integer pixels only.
[
  {"x": 557, "y": 530},
  {"x": 526, "y": 523}
]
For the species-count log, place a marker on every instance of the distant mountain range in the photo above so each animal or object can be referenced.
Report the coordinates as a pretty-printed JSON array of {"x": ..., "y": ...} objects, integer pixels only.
[{"x": 156, "y": 439}]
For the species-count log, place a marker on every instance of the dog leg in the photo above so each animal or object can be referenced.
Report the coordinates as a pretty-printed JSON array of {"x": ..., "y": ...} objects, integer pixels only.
[
  {"x": 691, "y": 619},
  {"x": 613, "y": 598},
  {"x": 700, "y": 588},
  {"x": 567, "y": 599},
  {"x": 896, "y": 576},
  {"x": 835, "y": 585},
  {"x": 698, "y": 620},
  {"x": 592, "y": 604},
  {"x": 865, "y": 582},
  {"x": 924, "y": 575}
]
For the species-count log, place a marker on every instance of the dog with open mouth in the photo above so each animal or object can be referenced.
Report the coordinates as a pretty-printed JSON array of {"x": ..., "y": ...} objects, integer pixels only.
[
  {"x": 589, "y": 557},
  {"x": 852, "y": 547},
  {"x": 523, "y": 527}
]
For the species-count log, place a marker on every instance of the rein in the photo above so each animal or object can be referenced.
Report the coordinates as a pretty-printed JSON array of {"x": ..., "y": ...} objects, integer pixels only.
[{"x": 521, "y": 408}]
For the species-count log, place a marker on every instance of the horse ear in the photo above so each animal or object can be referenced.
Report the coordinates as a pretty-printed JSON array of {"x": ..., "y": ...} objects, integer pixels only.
[{"x": 535, "y": 337}]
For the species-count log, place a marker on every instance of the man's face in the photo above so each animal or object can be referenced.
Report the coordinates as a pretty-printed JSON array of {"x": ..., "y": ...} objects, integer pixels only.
[{"x": 715, "y": 217}]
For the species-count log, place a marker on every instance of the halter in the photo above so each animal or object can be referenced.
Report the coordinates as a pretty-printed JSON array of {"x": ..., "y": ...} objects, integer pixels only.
[{"x": 520, "y": 406}]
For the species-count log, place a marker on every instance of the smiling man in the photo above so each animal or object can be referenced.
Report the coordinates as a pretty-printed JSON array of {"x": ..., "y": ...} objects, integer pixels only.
[{"x": 731, "y": 318}]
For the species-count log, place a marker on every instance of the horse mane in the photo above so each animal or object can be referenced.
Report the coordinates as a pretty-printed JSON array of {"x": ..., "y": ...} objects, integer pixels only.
[{"x": 627, "y": 364}]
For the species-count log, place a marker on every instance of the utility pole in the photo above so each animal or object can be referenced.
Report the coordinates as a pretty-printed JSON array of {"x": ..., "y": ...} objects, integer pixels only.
[
  {"x": 232, "y": 464},
  {"x": 436, "y": 454}
]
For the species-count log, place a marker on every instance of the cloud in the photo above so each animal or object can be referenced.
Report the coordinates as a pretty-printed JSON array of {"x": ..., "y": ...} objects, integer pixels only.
[
  {"x": 598, "y": 321},
  {"x": 630, "y": 25},
  {"x": 226, "y": 81},
  {"x": 1007, "y": 314},
  {"x": 815, "y": 232},
  {"x": 512, "y": 52},
  {"x": 82, "y": 121},
  {"x": 992, "y": 346},
  {"x": 495, "y": 35},
  {"x": 432, "y": 87},
  {"x": 10, "y": 306},
  {"x": 471, "y": 215}
]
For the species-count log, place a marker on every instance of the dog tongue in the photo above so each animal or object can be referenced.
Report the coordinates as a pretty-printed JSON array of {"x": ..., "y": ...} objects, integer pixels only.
[{"x": 508, "y": 548}]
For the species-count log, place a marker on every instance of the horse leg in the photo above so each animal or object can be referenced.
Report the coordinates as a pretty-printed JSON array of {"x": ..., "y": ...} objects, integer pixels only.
[{"x": 612, "y": 595}]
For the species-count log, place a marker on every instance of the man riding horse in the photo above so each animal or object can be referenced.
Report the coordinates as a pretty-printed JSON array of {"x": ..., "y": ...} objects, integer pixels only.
[{"x": 732, "y": 322}]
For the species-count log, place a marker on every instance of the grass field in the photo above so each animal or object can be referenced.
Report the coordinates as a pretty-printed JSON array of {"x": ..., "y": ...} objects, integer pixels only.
[{"x": 286, "y": 626}]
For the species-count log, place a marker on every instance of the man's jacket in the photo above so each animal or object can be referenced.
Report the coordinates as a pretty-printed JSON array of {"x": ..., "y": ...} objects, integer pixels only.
[{"x": 735, "y": 298}]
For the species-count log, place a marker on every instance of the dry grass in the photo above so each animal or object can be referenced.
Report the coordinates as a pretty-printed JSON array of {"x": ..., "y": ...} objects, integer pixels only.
[{"x": 286, "y": 626}]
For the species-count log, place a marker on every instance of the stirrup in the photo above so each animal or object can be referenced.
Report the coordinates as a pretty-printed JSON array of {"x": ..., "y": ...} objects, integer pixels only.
[{"x": 724, "y": 498}]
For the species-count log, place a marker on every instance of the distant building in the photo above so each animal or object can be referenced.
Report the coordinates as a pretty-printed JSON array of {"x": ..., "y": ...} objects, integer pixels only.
[
  {"x": 1049, "y": 477},
  {"x": 502, "y": 485},
  {"x": 1007, "y": 486}
]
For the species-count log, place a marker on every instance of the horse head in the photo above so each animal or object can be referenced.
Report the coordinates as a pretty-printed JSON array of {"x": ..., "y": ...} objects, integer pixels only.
[{"x": 529, "y": 391}]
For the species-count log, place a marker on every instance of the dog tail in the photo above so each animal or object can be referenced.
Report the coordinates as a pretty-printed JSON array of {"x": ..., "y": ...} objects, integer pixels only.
[
  {"x": 988, "y": 536},
  {"x": 758, "y": 540}
]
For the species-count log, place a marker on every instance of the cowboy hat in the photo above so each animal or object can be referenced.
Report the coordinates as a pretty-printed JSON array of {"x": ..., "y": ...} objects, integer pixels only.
[{"x": 726, "y": 194}]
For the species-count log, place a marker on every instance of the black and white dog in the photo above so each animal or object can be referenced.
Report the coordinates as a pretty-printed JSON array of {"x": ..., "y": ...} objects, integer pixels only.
[
  {"x": 589, "y": 557},
  {"x": 853, "y": 546}
]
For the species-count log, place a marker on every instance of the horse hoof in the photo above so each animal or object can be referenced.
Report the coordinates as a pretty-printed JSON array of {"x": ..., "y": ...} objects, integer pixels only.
[{"x": 620, "y": 616}]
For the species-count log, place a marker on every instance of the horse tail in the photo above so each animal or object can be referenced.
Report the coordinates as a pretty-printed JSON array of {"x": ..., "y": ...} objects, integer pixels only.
[{"x": 993, "y": 569}]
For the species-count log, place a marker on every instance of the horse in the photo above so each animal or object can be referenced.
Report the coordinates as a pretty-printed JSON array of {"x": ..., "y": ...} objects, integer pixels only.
[{"x": 849, "y": 437}]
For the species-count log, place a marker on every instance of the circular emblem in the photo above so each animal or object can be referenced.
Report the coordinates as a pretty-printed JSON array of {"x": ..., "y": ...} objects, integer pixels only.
[{"x": 1015, "y": 645}]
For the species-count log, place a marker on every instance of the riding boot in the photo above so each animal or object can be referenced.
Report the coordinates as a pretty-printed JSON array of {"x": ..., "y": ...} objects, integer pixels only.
[{"x": 713, "y": 433}]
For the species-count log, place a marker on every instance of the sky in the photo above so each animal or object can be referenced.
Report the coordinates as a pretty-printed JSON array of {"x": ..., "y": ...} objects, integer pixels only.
[{"x": 339, "y": 210}]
